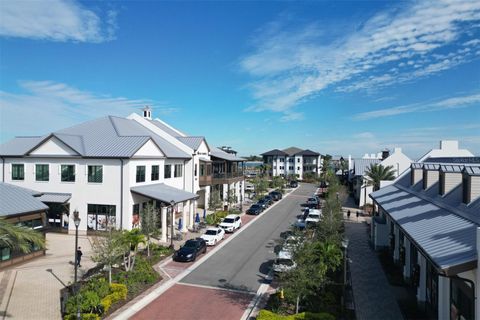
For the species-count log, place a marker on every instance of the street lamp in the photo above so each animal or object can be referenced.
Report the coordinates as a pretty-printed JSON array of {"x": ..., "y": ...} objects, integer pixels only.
[
  {"x": 76, "y": 221},
  {"x": 172, "y": 203}
]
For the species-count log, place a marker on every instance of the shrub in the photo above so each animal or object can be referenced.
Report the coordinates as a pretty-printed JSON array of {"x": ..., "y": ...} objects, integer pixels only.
[
  {"x": 268, "y": 315},
  {"x": 84, "y": 316},
  {"x": 88, "y": 301},
  {"x": 135, "y": 280},
  {"x": 214, "y": 218}
]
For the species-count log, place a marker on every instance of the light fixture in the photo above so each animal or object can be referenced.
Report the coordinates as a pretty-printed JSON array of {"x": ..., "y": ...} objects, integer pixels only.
[{"x": 76, "y": 218}]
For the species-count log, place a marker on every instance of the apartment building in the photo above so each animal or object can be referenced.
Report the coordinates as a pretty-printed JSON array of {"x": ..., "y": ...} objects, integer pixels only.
[
  {"x": 109, "y": 169},
  {"x": 292, "y": 161}
]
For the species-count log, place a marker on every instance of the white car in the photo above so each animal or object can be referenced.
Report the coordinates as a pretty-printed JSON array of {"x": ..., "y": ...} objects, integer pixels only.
[
  {"x": 314, "y": 216},
  {"x": 231, "y": 223},
  {"x": 213, "y": 235},
  {"x": 283, "y": 262}
]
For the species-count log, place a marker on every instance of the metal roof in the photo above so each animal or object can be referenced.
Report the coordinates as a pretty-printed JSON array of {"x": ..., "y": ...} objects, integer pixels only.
[
  {"x": 274, "y": 152},
  {"x": 430, "y": 166},
  {"x": 451, "y": 168},
  {"x": 417, "y": 165},
  {"x": 307, "y": 152},
  {"x": 292, "y": 151},
  {"x": 448, "y": 239},
  {"x": 361, "y": 165},
  {"x": 19, "y": 145},
  {"x": 17, "y": 200},
  {"x": 454, "y": 160},
  {"x": 192, "y": 142},
  {"x": 166, "y": 128},
  {"x": 164, "y": 193},
  {"x": 218, "y": 153},
  {"x": 472, "y": 170},
  {"x": 52, "y": 197}
]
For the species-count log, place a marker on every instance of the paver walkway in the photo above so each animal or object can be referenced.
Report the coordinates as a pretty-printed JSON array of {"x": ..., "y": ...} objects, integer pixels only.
[{"x": 373, "y": 295}]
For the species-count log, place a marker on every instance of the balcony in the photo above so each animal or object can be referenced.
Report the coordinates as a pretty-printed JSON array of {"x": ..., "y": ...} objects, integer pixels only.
[
  {"x": 205, "y": 180},
  {"x": 227, "y": 177}
]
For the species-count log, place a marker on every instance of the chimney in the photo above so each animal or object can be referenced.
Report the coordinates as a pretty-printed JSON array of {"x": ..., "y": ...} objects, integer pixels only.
[
  {"x": 147, "y": 113},
  {"x": 385, "y": 153},
  {"x": 415, "y": 173},
  {"x": 471, "y": 184},
  {"x": 450, "y": 176},
  {"x": 449, "y": 145},
  {"x": 430, "y": 175}
]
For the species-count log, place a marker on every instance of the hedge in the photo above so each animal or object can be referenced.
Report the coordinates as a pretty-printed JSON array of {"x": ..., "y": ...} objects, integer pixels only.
[{"x": 268, "y": 315}]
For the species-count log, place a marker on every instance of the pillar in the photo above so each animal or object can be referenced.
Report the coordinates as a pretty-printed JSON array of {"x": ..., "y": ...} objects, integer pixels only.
[
  {"x": 192, "y": 213},
  {"x": 164, "y": 224},
  {"x": 422, "y": 290},
  {"x": 443, "y": 298},
  {"x": 406, "y": 269},
  {"x": 184, "y": 219}
]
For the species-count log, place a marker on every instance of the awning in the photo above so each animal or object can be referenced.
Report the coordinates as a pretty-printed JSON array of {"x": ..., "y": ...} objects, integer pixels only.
[
  {"x": 164, "y": 193},
  {"x": 447, "y": 239},
  {"x": 52, "y": 197}
]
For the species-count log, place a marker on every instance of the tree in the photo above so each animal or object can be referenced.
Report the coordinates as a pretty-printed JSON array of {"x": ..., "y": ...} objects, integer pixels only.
[
  {"x": 19, "y": 238},
  {"x": 265, "y": 169},
  {"x": 130, "y": 241},
  {"x": 231, "y": 198},
  {"x": 109, "y": 250},
  {"x": 215, "y": 201},
  {"x": 376, "y": 173},
  {"x": 148, "y": 223},
  {"x": 278, "y": 183},
  {"x": 261, "y": 185}
]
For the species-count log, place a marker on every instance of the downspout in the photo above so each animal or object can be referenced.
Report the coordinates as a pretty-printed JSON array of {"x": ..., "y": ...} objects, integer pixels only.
[
  {"x": 3, "y": 169},
  {"x": 184, "y": 165},
  {"x": 193, "y": 173},
  {"x": 121, "y": 194}
]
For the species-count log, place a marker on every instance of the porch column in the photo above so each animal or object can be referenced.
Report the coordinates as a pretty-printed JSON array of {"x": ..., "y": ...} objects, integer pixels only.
[
  {"x": 164, "y": 224},
  {"x": 192, "y": 213},
  {"x": 421, "y": 292},
  {"x": 443, "y": 298},
  {"x": 184, "y": 218}
]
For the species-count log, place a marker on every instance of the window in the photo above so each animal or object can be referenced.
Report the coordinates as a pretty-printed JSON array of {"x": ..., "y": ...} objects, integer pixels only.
[
  {"x": 202, "y": 170},
  {"x": 298, "y": 168},
  {"x": 290, "y": 159},
  {"x": 155, "y": 173},
  {"x": 462, "y": 299},
  {"x": 5, "y": 254},
  {"x": 41, "y": 172},
  {"x": 67, "y": 172},
  {"x": 140, "y": 174},
  {"x": 178, "y": 170},
  {"x": 100, "y": 216},
  {"x": 95, "y": 174},
  {"x": 195, "y": 172},
  {"x": 290, "y": 168},
  {"x": 298, "y": 159},
  {"x": 425, "y": 175},
  {"x": 168, "y": 171},
  {"x": 282, "y": 160},
  {"x": 441, "y": 183},
  {"x": 18, "y": 172},
  {"x": 466, "y": 189}
]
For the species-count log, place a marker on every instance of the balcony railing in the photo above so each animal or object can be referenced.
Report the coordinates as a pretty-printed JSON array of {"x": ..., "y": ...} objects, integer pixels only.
[
  {"x": 227, "y": 175},
  {"x": 205, "y": 180}
]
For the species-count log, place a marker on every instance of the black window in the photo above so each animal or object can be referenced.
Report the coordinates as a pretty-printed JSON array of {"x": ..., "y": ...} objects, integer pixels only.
[
  {"x": 298, "y": 159},
  {"x": 100, "y": 216},
  {"x": 425, "y": 174},
  {"x": 178, "y": 170},
  {"x": 95, "y": 173},
  {"x": 18, "y": 172},
  {"x": 466, "y": 188},
  {"x": 441, "y": 183},
  {"x": 67, "y": 172},
  {"x": 202, "y": 170},
  {"x": 140, "y": 174},
  {"x": 155, "y": 173},
  {"x": 195, "y": 172},
  {"x": 412, "y": 177},
  {"x": 41, "y": 172},
  {"x": 168, "y": 171},
  {"x": 5, "y": 254}
]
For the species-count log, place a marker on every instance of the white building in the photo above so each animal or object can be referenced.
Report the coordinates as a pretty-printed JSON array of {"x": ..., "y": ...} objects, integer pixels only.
[
  {"x": 110, "y": 168},
  {"x": 398, "y": 160},
  {"x": 292, "y": 161},
  {"x": 428, "y": 220}
]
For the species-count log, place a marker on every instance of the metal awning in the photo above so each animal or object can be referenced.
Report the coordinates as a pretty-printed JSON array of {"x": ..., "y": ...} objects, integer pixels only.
[
  {"x": 164, "y": 193},
  {"x": 53, "y": 197},
  {"x": 447, "y": 239}
]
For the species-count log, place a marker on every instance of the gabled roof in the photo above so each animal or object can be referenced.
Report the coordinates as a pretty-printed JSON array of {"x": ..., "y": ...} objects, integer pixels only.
[
  {"x": 193, "y": 142},
  {"x": 275, "y": 152},
  {"x": 292, "y": 151},
  {"x": 218, "y": 153},
  {"x": 17, "y": 200},
  {"x": 166, "y": 128},
  {"x": 361, "y": 165},
  {"x": 307, "y": 152},
  {"x": 107, "y": 137}
]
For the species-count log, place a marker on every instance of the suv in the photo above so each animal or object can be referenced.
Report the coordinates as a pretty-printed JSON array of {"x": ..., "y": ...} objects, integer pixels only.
[
  {"x": 293, "y": 184},
  {"x": 276, "y": 195},
  {"x": 190, "y": 250},
  {"x": 255, "y": 209},
  {"x": 231, "y": 223},
  {"x": 269, "y": 199}
]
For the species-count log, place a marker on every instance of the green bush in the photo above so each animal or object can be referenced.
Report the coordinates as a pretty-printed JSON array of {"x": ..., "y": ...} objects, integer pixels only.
[
  {"x": 88, "y": 301},
  {"x": 268, "y": 315},
  {"x": 84, "y": 316},
  {"x": 118, "y": 292},
  {"x": 135, "y": 280},
  {"x": 214, "y": 218}
]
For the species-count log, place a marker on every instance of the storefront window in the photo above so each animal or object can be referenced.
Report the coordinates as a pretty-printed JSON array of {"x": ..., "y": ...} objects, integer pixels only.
[
  {"x": 100, "y": 216},
  {"x": 5, "y": 254},
  {"x": 462, "y": 299},
  {"x": 432, "y": 290}
]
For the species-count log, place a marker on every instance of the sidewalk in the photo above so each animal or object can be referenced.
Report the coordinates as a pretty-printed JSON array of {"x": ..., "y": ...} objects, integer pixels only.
[
  {"x": 32, "y": 290},
  {"x": 373, "y": 296}
]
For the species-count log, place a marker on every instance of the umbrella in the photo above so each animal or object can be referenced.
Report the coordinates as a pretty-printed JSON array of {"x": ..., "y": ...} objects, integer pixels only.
[
  {"x": 197, "y": 218},
  {"x": 180, "y": 224}
]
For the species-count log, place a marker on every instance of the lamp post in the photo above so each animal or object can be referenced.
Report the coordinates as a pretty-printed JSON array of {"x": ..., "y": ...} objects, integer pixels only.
[
  {"x": 76, "y": 221},
  {"x": 345, "y": 258},
  {"x": 172, "y": 203}
]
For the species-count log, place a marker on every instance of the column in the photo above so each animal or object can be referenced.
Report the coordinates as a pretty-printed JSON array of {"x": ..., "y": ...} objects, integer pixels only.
[
  {"x": 421, "y": 292},
  {"x": 406, "y": 269},
  {"x": 443, "y": 298},
  {"x": 192, "y": 213},
  {"x": 184, "y": 218},
  {"x": 164, "y": 224}
]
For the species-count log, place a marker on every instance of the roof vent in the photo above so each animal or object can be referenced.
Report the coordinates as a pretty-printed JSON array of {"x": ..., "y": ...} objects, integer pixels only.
[{"x": 147, "y": 113}]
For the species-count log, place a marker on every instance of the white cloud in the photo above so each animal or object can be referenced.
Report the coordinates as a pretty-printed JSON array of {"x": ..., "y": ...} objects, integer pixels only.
[
  {"x": 55, "y": 20},
  {"x": 421, "y": 39},
  {"x": 45, "y": 106},
  {"x": 450, "y": 103}
]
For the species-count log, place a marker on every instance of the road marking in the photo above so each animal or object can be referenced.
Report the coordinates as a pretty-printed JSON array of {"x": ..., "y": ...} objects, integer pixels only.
[{"x": 215, "y": 288}]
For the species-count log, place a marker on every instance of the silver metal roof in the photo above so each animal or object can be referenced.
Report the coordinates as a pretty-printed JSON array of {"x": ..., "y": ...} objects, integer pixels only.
[
  {"x": 448, "y": 239},
  {"x": 451, "y": 168},
  {"x": 431, "y": 166},
  {"x": 52, "y": 197},
  {"x": 164, "y": 193},
  {"x": 218, "y": 153},
  {"x": 361, "y": 165},
  {"x": 417, "y": 165},
  {"x": 19, "y": 145},
  {"x": 192, "y": 142},
  {"x": 17, "y": 200},
  {"x": 166, "y": 128},
  {"x": 472, "y": 170}
]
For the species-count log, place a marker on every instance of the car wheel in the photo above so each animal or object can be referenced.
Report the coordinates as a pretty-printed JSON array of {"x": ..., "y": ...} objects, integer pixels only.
[{"x": 205, "y": 250}]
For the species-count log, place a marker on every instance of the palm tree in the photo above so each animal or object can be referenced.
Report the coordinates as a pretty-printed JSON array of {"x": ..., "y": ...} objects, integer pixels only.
[
  {"x": 19, "y": 238},
  {"x": 376, "y": 173}
]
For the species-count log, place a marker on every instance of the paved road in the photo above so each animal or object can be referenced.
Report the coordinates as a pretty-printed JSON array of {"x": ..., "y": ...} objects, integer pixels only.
[{"x": 243, "y": 263}]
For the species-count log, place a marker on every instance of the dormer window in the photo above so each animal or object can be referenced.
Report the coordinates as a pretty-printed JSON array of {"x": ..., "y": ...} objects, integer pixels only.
[{"x": 470, "y": 184}]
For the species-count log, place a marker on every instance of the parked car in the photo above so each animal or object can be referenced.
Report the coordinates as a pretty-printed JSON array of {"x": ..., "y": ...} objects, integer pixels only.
[
  {"x": 313, "y": 217},
  {"x": 263, "y": 203},
  {"x": 249, "y": 187},
  {"x": 231, "y": 223},
  {"x": 255, "y": 209},
  {"x": 312, "y": 200},
  {"x": 276, "y": 195},
  {"x": 291, "y": 242},
  {"x": 213, "y": 235},
  {"x": 283, "y": 262},
  {"x": 269, "y": 199},
  {"x": 190, "y": 250},
  {"x": 293, "y": 184}
]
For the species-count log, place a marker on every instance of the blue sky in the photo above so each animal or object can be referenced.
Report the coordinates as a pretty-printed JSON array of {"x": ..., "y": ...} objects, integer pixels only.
[{"x": 337, "y": 77}]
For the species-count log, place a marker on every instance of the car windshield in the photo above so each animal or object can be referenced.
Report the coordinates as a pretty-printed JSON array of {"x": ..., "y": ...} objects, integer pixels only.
[
  {"x": 190, "y": 244},
  {"x": 255, "y": 206},
  {"x": 314, "y": 216},
  {"x": 228, "y": 220},
  {"x": 284, "y": 262},
  {"x": 211, "y": 232},
  {"x": 312, "y": 199}
]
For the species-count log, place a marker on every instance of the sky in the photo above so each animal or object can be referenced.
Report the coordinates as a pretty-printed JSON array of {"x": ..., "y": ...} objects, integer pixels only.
[{"x": 336, "y": 77}]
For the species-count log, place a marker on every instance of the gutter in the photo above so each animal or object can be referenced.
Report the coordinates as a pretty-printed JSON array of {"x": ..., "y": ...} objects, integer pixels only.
[{"x": 121, "y": 194}]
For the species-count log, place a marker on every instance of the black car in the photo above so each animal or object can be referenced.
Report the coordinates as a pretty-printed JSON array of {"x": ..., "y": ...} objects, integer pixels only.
[
  {"x": 293, "y": 184},
  {"x": 263, "y": 203},
  {"x": 269, "y": 199},
  {"x": 276, "y": 195},
  {"x": 190, "y": 250},
  {"x": 255, "y": 209}
]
